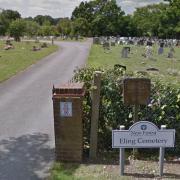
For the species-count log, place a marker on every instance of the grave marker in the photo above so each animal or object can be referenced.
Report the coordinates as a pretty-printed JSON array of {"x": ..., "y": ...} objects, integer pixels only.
[{"x": 125, "y": 52}]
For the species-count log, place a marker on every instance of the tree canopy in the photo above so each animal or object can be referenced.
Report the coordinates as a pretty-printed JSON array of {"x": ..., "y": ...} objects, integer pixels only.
[{"x": 100, "y": 18}]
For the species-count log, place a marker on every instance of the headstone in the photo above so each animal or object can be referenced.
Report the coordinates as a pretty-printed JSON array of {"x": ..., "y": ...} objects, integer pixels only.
[
  {"x": 125, "y": 52},
  {"x": 96, "y": 40},
  {"x": 148, "y": 52},
  {"x": 113, "y": 43},
  {"x": 106, "y": 46},
  {"x": 170, "y": 53},
  {"x": 8, "y": 42},
  {"x": 160, "y": 50},
  {"x": 36, "y": 48}
]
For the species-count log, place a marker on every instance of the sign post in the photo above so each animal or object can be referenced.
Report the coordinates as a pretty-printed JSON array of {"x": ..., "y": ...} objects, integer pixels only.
[
  {"x": 136, "y": 91},
  {"x": 143, "y": 134},
  {"x": 121, "y": 156},
  {"x": 161, "y": 156}
]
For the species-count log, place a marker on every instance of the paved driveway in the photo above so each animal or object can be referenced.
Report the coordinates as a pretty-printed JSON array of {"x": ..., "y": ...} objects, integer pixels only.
[{"x": 26, "y": 113}]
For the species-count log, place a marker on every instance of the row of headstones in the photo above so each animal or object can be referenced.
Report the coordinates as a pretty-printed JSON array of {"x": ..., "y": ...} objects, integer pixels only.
[
  {"x": 107, "y": 42},
  {"x": 64, "y": 37},
  {"x": 137, "y": 41},
  {"x": 148, "y": 52},
  {"x": 102, "y": 40},
  {"x": 9, "y": 45}
]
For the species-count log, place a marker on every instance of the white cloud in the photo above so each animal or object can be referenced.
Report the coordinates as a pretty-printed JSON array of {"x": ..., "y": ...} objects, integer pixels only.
[
  {"x": 55, "y": 8},
  {"x": 130, "y": 5},
  {"x": 61, "y": 8}
]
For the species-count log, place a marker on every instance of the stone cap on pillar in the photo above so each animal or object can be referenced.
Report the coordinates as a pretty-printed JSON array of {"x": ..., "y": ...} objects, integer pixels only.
[{"x": 69, "y": 90}]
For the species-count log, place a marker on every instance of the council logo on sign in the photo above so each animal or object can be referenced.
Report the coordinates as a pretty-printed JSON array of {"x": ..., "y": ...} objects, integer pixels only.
[{"x": 143, "y": 127}]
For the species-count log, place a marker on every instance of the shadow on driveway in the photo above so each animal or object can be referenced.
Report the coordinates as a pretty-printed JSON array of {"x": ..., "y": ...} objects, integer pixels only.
[{"x": 25, "y": 157}]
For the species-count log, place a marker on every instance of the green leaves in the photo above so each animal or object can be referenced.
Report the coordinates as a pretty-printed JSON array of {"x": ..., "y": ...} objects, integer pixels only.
[
  {"x": 17, "y": 28},
  {"x": 163, "y": 106}
]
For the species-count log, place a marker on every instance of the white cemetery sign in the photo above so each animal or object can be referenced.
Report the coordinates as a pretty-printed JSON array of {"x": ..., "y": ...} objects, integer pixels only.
[{"x": 143, "y": 134}]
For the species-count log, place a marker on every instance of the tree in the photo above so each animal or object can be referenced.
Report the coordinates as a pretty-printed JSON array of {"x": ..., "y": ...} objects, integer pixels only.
[
  {"x": 84, "y": 10},
  {"x": 80, "y": 27},
  {"x": 32, "y": 28},
  {"x": 64, "y": 26},
  {"x": 103, "y": 17},
  {"x": 42, "y": 19},
  {"x": 128, "y": 27},
  {"x": 45, "y": 30},
  {"x": 11, "y": 15},
  {"x": 173, "y": 16},
  {"x": 6, "y": 17},
  {"x": 4, "y": 24},
  {"x": 17, "y": 29},
  {"x": 148, "y": 19}
]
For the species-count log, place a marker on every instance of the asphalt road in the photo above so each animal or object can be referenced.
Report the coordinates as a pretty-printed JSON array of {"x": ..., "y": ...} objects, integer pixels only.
[{"x": 26, "y": 113}]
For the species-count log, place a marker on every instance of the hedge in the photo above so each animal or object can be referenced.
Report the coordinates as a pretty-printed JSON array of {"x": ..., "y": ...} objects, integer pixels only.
[{"x": 163, "y": 107}]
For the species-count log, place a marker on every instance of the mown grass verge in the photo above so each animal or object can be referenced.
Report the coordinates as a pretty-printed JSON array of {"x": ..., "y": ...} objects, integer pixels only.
[
  {"x": 169, "y": 69},
  {"x": 14, "y": 60}
]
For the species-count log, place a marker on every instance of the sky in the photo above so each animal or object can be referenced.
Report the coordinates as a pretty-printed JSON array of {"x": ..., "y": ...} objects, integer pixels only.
[{"x": 62, "y": 8}]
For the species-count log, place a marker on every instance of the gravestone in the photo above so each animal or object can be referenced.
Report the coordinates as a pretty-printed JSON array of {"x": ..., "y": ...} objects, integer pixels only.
[
  {"x": 160, "y": 50},
  {"x": 148, "y": 52},
  {"x": 113, "y": 43},
  {"x": 9, "y": 45},
  {"x": 8, "y": 42},
  {"x": 125, "y": 52},
  {"x": 171, "y": 52},
  {"x": 106, "y": 45},
  {"x": 34, "y": 48},
  {"x": 96, "y": 40}
]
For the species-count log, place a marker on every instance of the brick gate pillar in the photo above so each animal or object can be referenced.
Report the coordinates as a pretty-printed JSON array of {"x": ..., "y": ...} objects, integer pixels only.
[{"x": 68, "y": 126}]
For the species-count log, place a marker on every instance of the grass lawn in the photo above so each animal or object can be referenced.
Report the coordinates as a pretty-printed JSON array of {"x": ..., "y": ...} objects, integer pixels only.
[
  {"x": 14, "y": 60},
  {"x": 134, "y": 169},
  {"x": 169, "y": 69}
]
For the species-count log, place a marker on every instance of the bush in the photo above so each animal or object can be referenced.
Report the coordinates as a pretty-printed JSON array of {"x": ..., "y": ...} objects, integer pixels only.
[{"x": 163, "y": 107}]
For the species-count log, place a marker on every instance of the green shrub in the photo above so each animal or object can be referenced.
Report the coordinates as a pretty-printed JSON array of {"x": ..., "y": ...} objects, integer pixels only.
[{"x": 163, "y": 107}]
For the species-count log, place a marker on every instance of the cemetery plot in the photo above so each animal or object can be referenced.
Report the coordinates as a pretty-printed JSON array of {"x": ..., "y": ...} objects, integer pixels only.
[
  {"x": 15, "y": 57},
  {"x": 165, "y": 65}
]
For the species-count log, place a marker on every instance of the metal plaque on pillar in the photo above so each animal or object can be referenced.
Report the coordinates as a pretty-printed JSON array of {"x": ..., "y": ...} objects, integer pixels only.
[{"x": 66, "y": 109}]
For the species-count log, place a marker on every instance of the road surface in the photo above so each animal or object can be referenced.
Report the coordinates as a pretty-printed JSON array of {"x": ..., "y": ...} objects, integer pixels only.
[{"x": 26, "y": 113}]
